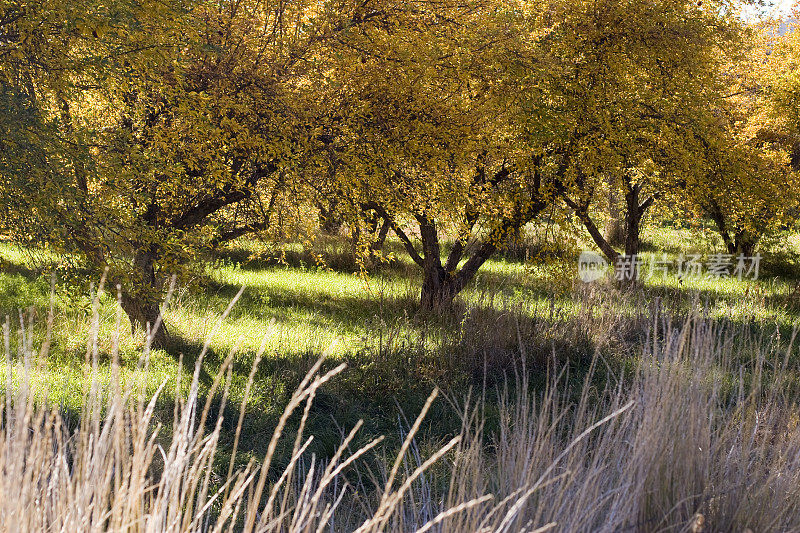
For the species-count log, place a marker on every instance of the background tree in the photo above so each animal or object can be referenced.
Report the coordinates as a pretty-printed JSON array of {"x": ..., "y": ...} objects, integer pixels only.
[
  {"x": 622, "y": 90},
  {"x": 431, "y": 147},
  {"x": 188, "y": 138},
  {"x": 47, "y": 50},
  {"x": 746, "y": 173}
]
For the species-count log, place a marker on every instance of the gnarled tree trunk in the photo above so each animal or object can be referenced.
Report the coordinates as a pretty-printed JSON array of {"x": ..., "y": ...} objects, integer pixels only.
[
  {"x": 443, "y": 281},
  {"x": 141, "y": 303},
  {"x": 438, "y": 290},
  {"x": 736, "y": 242}
]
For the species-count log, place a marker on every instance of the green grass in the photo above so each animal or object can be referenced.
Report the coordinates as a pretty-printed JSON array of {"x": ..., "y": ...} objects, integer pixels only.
[{"x": 300, "y": 308}]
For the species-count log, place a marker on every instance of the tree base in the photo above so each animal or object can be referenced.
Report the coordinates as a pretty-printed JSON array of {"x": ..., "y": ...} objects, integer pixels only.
[{"x": 146, "y": 317}]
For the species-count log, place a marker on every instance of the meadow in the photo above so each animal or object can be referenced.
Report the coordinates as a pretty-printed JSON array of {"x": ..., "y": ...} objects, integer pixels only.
[
  {"x": 561, "y": 405},
  {"x": 321, "y": 266}
]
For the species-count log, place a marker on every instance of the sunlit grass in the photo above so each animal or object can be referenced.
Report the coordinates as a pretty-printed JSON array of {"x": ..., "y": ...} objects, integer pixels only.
[{"x": 299, "y": 308}]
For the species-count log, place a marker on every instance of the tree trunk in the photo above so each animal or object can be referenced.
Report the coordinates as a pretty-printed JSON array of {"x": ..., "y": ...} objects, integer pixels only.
[
  {"x": 141, "y": 303},
  {"x": 438, "y": 290},
  {"x": 330, "y": 221},
  {"x": 745, "y": 244},
  {"x": 715, "y": 212},
  {"x": 442, "y": 282},
  {"x": 634, "y": 212},
  {"x": 144, "y": 315},
  {"x": 435, "y": 294},
  {"x": 614, "y": 232},
  {"x": 633, "y": 218},
  {"x": 747, "y": 249},
  {"x": 740, "y": 242}
]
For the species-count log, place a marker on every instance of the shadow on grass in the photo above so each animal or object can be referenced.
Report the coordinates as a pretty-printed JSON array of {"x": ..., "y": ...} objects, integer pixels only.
[{"x": 405, "y": 353}]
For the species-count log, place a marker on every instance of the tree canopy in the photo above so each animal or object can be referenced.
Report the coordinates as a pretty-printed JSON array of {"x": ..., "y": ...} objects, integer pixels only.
[{"x": 136, "y": 135}]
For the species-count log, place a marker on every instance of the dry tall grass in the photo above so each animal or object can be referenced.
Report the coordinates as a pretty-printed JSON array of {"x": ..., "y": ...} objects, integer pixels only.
[
  {"x": 699, "y": 436},
  {"x": 703, "y": 436}
]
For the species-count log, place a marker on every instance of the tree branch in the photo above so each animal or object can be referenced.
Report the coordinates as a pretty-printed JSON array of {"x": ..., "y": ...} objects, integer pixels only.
[
  {"x": 409, "y": 246},
  {"x": 582, "y": 212}
]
